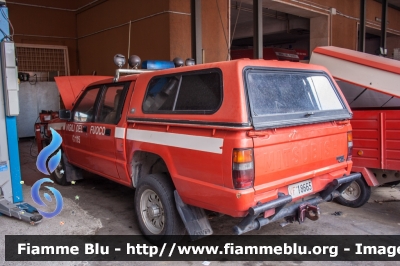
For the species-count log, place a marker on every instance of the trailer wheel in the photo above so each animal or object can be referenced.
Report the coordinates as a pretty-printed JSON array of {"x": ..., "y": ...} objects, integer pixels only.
[
  {"x": 156, "y": 212},
  {"x": 356, "y": 195}
]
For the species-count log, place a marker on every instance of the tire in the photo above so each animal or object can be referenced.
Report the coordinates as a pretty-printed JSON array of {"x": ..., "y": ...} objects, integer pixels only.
[
  {"x": 60, "y": 173},
  {"x": 356, "y": 195},
  {"x": 156, "y": 212}
]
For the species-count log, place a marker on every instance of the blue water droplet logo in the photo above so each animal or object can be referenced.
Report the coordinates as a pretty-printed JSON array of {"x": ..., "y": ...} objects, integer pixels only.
[
  {"x": 47, "y": 197},
  {"x": 45, "y": 154},
  {"x": 46, "y": 163},
  {"x": 38, "y": 200}
]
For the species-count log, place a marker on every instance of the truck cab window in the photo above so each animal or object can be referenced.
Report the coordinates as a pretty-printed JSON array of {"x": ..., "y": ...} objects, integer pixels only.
[
  {"x": 84, "y": 109},
  {"x": 161, "y": 94},
  {"x": 110, "y": 105}
]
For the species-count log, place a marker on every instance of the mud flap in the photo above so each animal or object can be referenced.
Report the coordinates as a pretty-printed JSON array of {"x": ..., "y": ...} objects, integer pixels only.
[
  {"x": 74, "y": 173},
  {"x": 194, "y": 218}
]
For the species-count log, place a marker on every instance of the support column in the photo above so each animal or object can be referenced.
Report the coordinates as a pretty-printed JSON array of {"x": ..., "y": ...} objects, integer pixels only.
[
  {"x": 258, "y": 29},
  {"x": 11, "y": 131},
  {"x": 384, "y": 26},
  {"x": 197, "y": 42},
  {"x": 363, "y": 18}
]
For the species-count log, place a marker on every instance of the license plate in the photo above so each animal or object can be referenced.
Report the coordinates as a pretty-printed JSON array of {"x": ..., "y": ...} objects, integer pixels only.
[{"x": 301, "y": 188}]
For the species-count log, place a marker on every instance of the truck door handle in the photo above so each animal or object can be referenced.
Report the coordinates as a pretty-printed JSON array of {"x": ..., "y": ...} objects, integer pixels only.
[
  {"x": 84, "y": 128},
  {"x": 108, "y": 132}
]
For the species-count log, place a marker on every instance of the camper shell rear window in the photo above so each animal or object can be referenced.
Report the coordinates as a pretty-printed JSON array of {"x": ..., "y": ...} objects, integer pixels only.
[{"x": 285, "y": 97}]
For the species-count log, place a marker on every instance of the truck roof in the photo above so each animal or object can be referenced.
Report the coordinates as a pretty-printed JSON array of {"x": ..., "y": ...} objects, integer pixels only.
[
  {"x": 70, "y": 87},
  {"x": 365, "y": 70}
]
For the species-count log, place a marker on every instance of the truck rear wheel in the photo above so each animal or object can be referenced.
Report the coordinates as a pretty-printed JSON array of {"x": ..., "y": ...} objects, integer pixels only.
[
  {"x": 156, "y": 212},
  {"x": 356, "y": 195}
]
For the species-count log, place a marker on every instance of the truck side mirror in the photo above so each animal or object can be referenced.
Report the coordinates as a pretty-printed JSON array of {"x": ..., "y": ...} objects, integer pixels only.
[{"x": 64, "y": 114}]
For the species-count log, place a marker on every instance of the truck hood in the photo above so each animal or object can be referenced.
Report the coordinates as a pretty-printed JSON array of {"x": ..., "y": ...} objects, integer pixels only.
[
  {"x": 367, "y": 71},
  {"x": 71, "y": 86}
]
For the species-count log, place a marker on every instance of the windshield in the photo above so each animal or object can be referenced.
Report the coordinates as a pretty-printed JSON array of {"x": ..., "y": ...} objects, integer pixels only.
[{"x": 284, "y": 95}]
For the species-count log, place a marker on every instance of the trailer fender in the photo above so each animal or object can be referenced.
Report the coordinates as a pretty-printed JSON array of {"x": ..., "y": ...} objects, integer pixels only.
[{"x": 367, "y": 174}]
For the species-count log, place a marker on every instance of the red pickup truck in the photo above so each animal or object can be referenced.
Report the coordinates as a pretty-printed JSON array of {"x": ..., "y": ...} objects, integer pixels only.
[{"x": 262, "y": 140}]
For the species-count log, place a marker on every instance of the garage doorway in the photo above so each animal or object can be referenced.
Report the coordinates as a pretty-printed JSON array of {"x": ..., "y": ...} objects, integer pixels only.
[
  {"x": 373, "y": 42},
  {"x": 284, "y": 26}
]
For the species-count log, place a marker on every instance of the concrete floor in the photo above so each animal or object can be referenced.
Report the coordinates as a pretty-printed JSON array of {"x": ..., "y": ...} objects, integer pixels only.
[{"x": 107, "y": 208}]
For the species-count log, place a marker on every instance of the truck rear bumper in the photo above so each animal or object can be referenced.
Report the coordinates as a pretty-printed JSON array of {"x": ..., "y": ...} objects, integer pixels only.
[{"x": 253, "y": 221}]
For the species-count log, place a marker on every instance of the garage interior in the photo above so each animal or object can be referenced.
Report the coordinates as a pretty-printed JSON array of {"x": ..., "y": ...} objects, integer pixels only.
[
  {"x": 81, "y": 37},
  {"x": 305, "y": 25}
]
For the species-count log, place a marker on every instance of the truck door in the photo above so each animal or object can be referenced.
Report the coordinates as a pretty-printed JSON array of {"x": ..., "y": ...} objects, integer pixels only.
[
  {"x": 76, "y": 139},
  {"x": 102, "y": 131}
]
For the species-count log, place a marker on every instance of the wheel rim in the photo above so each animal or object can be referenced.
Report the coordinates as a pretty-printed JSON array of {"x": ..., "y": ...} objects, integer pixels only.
[
  {"x": 353, "y": 192},
  {"x": 59, "y": 171},
  {"x": 152, "y": 211}
]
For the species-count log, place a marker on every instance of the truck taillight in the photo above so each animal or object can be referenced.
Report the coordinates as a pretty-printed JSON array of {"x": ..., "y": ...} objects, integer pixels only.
[
  {"x": 349, "y": 145},
  {"x": 243, "y": 168}
]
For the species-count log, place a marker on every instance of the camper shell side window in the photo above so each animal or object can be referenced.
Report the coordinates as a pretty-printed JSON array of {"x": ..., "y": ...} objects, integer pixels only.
[{"x": 196, "y": 92}]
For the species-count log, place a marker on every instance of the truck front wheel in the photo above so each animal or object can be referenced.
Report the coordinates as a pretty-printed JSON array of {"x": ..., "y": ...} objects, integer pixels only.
[
  {"x": 356, "y": 195},
  {"x": 64, "y": 169},
  {"x": 156, "y": 212},
  {"x": 60, "y": 174}
]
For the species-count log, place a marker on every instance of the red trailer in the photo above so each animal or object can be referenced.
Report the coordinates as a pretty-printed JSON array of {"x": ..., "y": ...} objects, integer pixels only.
[{"x": 371, "y": 85}]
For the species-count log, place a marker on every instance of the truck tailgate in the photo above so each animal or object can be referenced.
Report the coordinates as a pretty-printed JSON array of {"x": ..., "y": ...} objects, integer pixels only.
[{"x": 291, "y": 155}]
